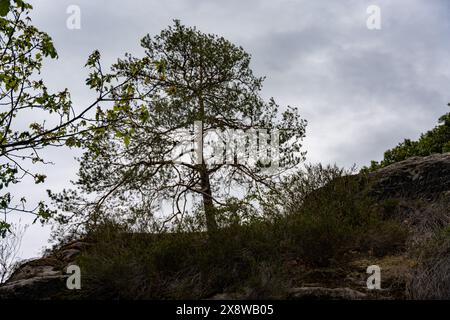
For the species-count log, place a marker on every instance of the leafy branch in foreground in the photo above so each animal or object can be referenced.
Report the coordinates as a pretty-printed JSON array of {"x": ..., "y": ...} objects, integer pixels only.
[{"x": 31, "y": 117}]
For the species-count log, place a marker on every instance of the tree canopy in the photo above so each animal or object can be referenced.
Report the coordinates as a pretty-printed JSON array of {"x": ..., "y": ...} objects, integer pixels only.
[{"x": 187, "y": 82}]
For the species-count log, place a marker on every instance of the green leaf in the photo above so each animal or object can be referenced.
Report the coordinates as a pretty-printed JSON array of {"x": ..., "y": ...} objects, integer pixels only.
[
  {"x": 4, "y": 228},
  {"x": 4, "y": 7},
  {"x": 39, "y": 178},
  {"x": 126, "y": 140}
]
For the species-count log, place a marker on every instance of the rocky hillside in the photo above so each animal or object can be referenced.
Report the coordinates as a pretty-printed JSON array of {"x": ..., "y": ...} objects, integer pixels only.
[{"x": 417, "y": 188}]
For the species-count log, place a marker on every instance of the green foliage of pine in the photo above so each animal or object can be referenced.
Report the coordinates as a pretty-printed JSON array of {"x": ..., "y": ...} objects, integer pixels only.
[{"x": 138, "y": 158}]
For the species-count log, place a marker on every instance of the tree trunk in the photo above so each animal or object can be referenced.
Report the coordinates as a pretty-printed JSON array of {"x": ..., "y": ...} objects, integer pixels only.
[{"x": 208, "y": 204}]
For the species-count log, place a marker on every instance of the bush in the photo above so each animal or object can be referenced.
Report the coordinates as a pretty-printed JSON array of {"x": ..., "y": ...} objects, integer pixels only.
[
  {"x": 431, "y": 279},
  {"x": 328, "y": 216},
  {"x": 122, "y": 265},
  {"x": 333, "y": 215}
]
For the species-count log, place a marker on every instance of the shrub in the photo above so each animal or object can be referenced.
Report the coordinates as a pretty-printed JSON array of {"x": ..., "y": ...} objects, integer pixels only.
[
  {"x": 329, "y": 215},
  {"x": 431, "y": 279},
  {"x": 179, "y": 265}
]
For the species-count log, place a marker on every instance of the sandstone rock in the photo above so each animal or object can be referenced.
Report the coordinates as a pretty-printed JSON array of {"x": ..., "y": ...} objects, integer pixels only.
[
  {"x": 226, "y": 296},
  {"x": 321, "y": 293},
  {"x": 41, "y": 287},
  {"x": 69, "y": 254},
  {"x": 424, "y": 178},
  {"x": 29, "y": 271},
  {"x": 41, "y": 278}
]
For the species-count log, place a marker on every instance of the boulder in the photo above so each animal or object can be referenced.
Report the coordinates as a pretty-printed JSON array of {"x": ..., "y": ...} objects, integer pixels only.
[
  {"x": 43, "y": 278},
  {"x": 425, "y": 178},
  {"x": 321, "y": 293}
]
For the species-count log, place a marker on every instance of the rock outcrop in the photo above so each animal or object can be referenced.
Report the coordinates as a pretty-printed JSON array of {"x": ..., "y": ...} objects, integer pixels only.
[
  {"x": 43, "y": 278},
  {"x": 425, "y": 178},
  {"x": 320, "y": 293}
]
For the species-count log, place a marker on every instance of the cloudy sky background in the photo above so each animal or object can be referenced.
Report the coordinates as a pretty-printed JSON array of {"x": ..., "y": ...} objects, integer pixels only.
[{"x": 362, "y": 91}]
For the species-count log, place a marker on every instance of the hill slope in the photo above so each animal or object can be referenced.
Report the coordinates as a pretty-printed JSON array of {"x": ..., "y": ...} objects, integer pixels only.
[{"x": 415, "y": 192}]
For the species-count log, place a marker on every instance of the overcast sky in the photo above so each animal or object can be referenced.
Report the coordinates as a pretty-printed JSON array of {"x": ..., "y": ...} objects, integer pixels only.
[{"x": 362, "y": 91}]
